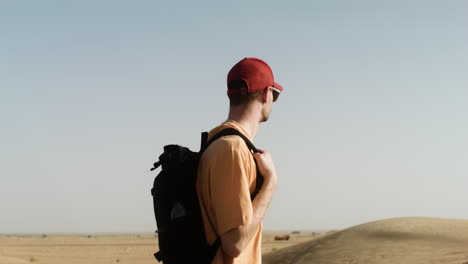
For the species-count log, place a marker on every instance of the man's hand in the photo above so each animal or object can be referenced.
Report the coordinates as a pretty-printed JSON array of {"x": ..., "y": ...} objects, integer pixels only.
[
  {"x": 266, "y": 166},
  {"x": 235, "y": 240}
]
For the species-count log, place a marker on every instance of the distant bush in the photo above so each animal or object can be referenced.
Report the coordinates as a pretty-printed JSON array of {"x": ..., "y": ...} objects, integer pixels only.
[
  {"x": 44, "y": 235},
  {"x": 117, "y": 260},
  {"x": 32, "y": 259},
  {"x": 296, "y": 232},
  {"x": 283, "y": 237},
  {"x": 90, "y": 236}
]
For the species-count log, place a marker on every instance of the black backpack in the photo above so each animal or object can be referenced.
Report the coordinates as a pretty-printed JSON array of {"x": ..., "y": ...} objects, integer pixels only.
[{"x": 180, "y": 231}]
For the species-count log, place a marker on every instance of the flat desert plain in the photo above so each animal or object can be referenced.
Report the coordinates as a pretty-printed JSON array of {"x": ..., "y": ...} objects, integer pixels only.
[
  {"x": 102, "y": 248},
  {"x": 397, "y": 240}
]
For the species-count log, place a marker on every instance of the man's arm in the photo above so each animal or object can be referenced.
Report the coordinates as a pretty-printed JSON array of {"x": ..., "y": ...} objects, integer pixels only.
[{"x": 235, "y": 240}]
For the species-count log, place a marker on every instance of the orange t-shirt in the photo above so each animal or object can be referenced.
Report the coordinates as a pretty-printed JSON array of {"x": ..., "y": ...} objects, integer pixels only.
[{"x": 226, "y": 179}]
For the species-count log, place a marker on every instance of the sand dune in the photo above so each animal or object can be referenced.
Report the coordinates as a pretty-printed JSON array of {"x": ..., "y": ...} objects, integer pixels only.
[{"x": 399, "y": 240}]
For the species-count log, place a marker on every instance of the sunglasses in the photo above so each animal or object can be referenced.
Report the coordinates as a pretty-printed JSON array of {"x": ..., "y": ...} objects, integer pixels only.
[{"x": 275, "y": 91}]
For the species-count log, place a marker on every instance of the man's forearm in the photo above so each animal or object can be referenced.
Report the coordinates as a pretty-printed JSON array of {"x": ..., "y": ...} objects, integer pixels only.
[{"x": 235, "y": 240}]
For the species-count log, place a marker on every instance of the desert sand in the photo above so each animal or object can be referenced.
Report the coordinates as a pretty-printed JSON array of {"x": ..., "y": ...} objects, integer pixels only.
[
  {"x": 77, "y": 249},
  {"x": 398, "y": 240},
  {"x": 101, "y": 248}
]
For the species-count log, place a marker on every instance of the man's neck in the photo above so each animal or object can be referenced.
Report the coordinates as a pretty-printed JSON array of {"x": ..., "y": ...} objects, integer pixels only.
[{"x": 248, "y": 120}]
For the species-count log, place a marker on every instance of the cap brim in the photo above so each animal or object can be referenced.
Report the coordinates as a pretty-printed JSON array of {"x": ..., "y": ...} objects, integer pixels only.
[{"x": 278, "y": 86}]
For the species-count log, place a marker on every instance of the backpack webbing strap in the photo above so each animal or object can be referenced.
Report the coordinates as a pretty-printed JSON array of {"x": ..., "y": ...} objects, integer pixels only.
[
  {"x": 214, "y": 248},
  {"x": 250, "y": 145},
  {"x": 158, "y": 256},
  {"x": 229, "y": 132}
]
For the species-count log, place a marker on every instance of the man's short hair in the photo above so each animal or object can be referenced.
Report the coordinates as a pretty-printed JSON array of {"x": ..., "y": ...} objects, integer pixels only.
[{"x": 240, "y": 99}]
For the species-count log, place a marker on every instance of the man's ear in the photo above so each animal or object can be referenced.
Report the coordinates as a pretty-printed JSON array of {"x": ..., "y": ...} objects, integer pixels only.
[{"x": 265, "y": 95}]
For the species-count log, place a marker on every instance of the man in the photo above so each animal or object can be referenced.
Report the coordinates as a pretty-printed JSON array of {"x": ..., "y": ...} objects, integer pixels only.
[{"x": 227, "y": 171}]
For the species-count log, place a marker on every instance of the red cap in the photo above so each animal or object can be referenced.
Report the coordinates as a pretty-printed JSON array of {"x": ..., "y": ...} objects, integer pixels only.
[{"x": 255, "y": 72}]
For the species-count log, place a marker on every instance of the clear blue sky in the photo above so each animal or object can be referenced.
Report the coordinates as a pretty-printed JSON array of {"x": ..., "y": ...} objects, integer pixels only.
[{"x": 372, "y": 123}]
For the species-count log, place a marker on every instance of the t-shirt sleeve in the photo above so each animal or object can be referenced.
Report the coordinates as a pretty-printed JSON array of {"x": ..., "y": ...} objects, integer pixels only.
[{"x": 230, "y": 193}]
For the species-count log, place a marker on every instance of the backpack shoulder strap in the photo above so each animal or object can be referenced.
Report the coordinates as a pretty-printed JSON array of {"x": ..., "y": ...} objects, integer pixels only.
[
  {"x": 204, "y": 145},
  {"x": 226, "y": 132},
  {"x": 250, "y": 145}
]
